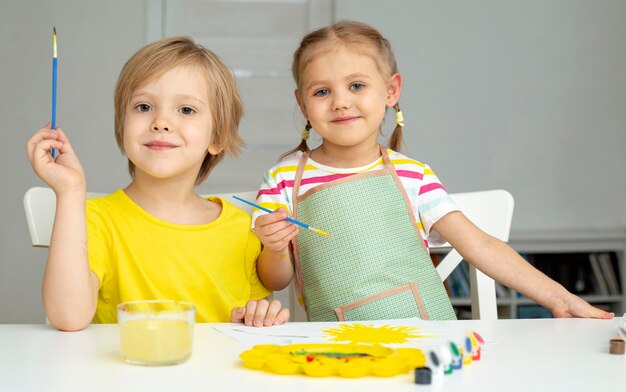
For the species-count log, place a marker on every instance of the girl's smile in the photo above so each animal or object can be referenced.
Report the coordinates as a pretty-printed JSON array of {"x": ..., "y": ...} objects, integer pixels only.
[{"x": 345, "y": 120}]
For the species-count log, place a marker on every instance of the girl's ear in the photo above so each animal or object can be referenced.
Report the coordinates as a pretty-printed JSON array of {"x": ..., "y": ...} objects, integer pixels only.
[
  {"x": 215, "y": 149},
  {"x": 296, "y": 93},
  {"x": 394, "y": 89}
]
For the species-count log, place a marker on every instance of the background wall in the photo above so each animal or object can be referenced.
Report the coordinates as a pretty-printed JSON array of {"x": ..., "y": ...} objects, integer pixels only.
[{"x": 528, "y": 96}]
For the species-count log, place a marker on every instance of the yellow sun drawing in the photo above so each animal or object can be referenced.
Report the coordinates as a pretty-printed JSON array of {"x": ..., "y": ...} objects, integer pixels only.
[{"x": 359, "y": 333}]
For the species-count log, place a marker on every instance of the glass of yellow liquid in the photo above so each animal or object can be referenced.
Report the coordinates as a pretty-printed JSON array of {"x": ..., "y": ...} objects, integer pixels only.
[{"x": 156, "y": 332}]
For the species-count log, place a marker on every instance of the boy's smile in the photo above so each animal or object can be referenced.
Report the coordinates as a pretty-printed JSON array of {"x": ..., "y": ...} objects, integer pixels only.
[{"x": 159, "y": 145}]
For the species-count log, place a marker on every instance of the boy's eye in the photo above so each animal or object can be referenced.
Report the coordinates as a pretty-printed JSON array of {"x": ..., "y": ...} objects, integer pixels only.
[
  {"x": 143, "y": 107},
  {"x": 357, "y": 86},
  {"x": 321, "y": 92},
  {"x": 186, "y": 110}
]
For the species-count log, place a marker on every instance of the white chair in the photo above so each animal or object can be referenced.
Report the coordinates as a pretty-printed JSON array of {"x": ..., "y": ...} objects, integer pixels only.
[{"x": 491, "y": 211}]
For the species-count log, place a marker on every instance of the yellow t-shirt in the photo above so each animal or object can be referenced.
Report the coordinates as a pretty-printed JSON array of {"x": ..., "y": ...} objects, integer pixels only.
[{"x": 138, "y": 256}]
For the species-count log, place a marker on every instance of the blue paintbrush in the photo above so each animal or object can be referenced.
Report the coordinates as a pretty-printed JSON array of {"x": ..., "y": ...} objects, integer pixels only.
[
  {"x": 289, "y": 219},
  {"x": 54, "y": 83}
]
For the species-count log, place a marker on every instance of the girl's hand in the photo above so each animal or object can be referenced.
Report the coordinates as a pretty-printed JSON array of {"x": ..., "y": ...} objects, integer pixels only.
[
  {"x": 63, "y": 173},
  {"x": 274, "y": 231},
  {"x": 261, "y": 313},
  {"x": 574, "y": 306}
]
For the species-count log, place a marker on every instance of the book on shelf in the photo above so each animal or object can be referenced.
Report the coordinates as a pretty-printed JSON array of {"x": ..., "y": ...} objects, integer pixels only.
[
  {"x": 598, "y": 277},
  {"x": 606, "y": 267},
  {"x": 462, "y": 279}
]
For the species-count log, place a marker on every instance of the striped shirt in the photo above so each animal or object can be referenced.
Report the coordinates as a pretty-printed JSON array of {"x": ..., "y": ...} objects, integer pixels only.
[{"x": 429, "y": 199}]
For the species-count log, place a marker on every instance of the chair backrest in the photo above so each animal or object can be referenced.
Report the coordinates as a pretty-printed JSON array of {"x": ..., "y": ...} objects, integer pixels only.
[{"x": 491, "y": 211}]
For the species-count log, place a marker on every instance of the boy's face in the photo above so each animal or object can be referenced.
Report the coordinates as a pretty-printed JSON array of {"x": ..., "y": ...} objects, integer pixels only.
[
  {"x": 168, "y": 125},
  {"x": 344, "y": 96}
]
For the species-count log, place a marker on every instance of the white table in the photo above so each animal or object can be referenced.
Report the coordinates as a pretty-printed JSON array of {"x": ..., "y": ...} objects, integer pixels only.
[{"x": 525, "y": 355}]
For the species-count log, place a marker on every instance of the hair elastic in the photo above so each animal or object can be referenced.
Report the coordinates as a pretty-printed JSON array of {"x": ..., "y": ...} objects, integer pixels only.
[
  {"x": 399, "y": 119},
  {"x": 305, "y": 134}
]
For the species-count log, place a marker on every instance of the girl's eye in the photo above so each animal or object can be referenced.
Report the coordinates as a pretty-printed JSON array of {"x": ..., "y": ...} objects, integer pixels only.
[
  {"x": 357, "y": 86},
  {"x": 143, "y": 107},
  {"x": 321, "y": 92},
  {"x": 186, "y": 110}
]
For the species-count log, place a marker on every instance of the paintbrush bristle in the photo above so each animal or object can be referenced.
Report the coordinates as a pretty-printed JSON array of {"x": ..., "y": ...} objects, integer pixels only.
[{"x": 54, "y": 30}]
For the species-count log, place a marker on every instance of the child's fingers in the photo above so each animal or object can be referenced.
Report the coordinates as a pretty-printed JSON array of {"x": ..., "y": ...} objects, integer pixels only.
[
  {"x": 237, "y": 315},
  {"x": 279, "y": 238},
  {"x": 38, "y": 137},
  {"x": 282, "y": 316},
  {"x": 67, "y": 146},
  {"x": 272, "y": 312},
  {"x": 259, "y": 315},
  {"x": 252, "y": 310},
  {"x": 41, "y": 150}
]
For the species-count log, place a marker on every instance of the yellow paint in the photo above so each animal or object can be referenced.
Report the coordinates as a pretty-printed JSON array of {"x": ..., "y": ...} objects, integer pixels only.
[
  {"x": 359, "y": 333},
  {"x": 156, "y": 341},
  {"x": 333, "y": 359}
]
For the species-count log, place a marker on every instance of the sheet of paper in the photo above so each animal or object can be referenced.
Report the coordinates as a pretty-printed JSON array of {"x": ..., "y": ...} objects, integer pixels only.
[{"x": 410, "y": 332}]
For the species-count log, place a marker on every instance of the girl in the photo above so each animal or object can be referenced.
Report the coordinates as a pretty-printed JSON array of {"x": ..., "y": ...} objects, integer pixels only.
[
  {"x": 177, "y": 110},
  {"x": 381, "y": 208}
]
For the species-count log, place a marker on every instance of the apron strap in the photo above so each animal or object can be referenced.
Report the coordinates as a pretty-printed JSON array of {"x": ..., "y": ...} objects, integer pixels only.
[{"x": 294, "y": 246}]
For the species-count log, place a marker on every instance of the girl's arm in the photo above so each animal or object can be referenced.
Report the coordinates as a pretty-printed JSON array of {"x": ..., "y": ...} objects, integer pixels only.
[
  {"x": 502, "y": 263},
  {"x": 69, "y": 287},
  {"x": 275, "y": 265}
]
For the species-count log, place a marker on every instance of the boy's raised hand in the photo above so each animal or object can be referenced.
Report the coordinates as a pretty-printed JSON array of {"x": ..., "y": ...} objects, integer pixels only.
[
  {"x": 61, "y": 173},
  {"x": 274, "y": 231},
  {"x": 261, "y": 313}
]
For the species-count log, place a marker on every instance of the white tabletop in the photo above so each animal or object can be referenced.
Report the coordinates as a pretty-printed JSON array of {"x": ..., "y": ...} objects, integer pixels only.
[{"x": 522, "y": 355}]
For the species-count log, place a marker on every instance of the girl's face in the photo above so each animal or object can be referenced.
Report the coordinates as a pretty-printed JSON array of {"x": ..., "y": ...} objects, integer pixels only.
[
  {"x": 168, "y": 125},
  {"x": 345, "y": 96}
]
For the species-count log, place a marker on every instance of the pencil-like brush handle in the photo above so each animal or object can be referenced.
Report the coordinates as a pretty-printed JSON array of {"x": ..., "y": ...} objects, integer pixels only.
[
  {"x": 54, "y": 93},
  {"x": 53, "y": 124},
  {"x": 289, "y": 219}
]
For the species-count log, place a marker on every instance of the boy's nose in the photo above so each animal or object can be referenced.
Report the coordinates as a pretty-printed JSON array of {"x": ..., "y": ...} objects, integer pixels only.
[{"x": 160, "y": 125}]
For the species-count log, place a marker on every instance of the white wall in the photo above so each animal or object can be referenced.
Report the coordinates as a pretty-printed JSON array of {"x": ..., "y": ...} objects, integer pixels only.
[{"x": 529, "y": 96}]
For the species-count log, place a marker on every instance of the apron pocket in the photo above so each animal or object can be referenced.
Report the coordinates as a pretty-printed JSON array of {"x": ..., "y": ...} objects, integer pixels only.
[{"x": 399, "y": 302}]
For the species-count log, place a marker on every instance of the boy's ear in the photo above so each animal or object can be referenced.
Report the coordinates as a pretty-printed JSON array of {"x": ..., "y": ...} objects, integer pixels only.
[
  {"x": 215, "y": 149},
  {"x": 394, "y": 89},
  {"x": 300, "y": 103}
]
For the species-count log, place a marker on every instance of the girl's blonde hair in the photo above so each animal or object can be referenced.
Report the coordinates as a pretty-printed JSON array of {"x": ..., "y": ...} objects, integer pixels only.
[
  {"x": 360, "y": 37},
  {"x": 155, "y": 59}
]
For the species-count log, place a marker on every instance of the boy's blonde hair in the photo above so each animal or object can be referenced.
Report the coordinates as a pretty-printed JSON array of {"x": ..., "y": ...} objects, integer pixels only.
[
  {"x": 155, "y": 59},
  {"x": 356, "y": 36}
]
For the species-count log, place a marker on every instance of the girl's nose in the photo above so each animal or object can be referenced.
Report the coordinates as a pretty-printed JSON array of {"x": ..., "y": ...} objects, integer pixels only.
[{"x": 340, "y": 101}]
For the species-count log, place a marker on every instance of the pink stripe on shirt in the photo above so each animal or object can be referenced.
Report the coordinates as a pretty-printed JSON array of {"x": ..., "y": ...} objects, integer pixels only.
[
  {"x": 410, "y": 174},
  {"x": 430, "y": 187}
]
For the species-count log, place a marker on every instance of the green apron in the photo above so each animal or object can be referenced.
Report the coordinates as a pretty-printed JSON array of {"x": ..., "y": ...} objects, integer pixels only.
[{"x": 374, "y": 265}]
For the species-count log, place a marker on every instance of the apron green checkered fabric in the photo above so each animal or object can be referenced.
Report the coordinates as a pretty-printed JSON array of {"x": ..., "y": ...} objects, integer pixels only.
[{"x": 374, "y": 265}]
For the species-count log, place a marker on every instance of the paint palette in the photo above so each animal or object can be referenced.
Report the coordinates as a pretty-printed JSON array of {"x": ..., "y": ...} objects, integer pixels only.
[{"x": 329, "y": 359}]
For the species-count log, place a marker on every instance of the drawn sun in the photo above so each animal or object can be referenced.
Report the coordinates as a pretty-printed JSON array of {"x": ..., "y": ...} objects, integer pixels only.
[{"x": 359, "y": 333}]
